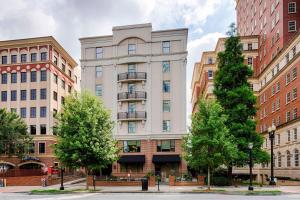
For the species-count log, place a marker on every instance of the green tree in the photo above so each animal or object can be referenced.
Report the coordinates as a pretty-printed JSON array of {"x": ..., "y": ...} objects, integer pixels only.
[
  {"x": 84, "y": 130},
  {"x": 208, "y": 145},
  {"x": 234, "y": 94},
  {"x": 14, "y": 139}
]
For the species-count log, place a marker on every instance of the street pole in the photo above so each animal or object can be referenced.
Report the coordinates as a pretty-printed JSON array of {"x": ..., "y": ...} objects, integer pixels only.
[
  {"x": 62, "y": 179},
  {"x": 250, "y": 166},
  {"x": 271, "y": 131}
]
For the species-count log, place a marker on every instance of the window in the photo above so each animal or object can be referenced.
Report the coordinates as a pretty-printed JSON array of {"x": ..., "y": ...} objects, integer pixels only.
[
  {"x": 165, "y": 146},
  {"x": 131, "y": 107},
  {"x": 43, "y": 129},
  {"x": 33, "y": 129},
  {"x": 166, "y": 66},
  {"x": 98, "y": 90},
  {"x": 295, "y": 133},
  {"x": 23, "y": 58},
  {"x": 166, "y": 105},
  {"x": 23, "y": 112},
  {"x": 166, "y": 126},
  {"x": 294, "y": 93},
  {"x": 55, "y": 60},
  {"x": 23, "y": 77},
  {"x": 70, "y": 73},
  {"x": 273, "y": 107},
  {"x": 288, "y": 98},
  {"x": 55, "y": 78},
  {"x": 287, "y": 116},
  {"x": 273, "y": 90},
  {"x": 31, "y": 148},
  {"x": 277, "y": 87},
  {"x": 279, "y": 159},
  {"x": 296, "y": 158},
  {"x": 288, "y": 158},
  {"x": 166, "y": 86},
  {"x": 54, "y": 112},
  {"x": 33, "y": 57},
  {"x": 287, "y": 79},
  {"x": 63, "y": 67},
  {"x": 131, "y": 48},
  {"x": 13, "y": 95},
  {"x": 98, "y": 71},
  {"x": 63, "y": 84},
  {"x": 33, "y": 94},
  {"x": 4, "y": 59},
  {"x": 292, "y": 7},
  {"x": 99, "y": 52},
  {"x": 43, "y": 93},
  {"x": 33, "y": 76},
  {"x": 23, "y": 95},
  {"x": 13, "y": 110},
  {"x": 44, "y": 75},
  {"x": 13, "y": 59},
  {"x": 294, "y": 52},
  {"x": 131, "y": 167},
  {"x": 42, "y": 148},
  {"x": 131, "y": 68},
  {"x": 209, "y": 61},
  {"x": 69, "y": 88},
  {"x": 291, "y": 26},
  {"x": 294, "y": 73},
  {"x": 43, "y": 112},
  {"x": 294, "y": 113},
  {"x": 4, "y": 78},
  {"x": 166, "y": 47},
  {"x": 278, "y": 139},
  {"x": 277, "y": 103},
  {"x": 210, "y": 74},
  {"x": 131, "y": 146},
  {"x": 250, "y": 61},
  {"x": 4, "y": 96},
  {"x": 131, "y": 127},
  {"x": 13, "y": 77},
  {"x": 43, "y": 56},
  {"x": 288, "y": 135},
  {"x": 62, "y": 99},
  {"x": 32, "y": 112},
  {"x": 131, "y": 88},
  {"x": 54, "y": 96}
]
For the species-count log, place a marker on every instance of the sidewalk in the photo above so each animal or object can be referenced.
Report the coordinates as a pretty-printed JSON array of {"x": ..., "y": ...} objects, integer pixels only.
[{"x": 135, "y": 189}]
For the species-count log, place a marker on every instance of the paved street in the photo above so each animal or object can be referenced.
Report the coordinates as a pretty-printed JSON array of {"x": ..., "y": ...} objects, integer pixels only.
[{"x": 138, "y": 196}]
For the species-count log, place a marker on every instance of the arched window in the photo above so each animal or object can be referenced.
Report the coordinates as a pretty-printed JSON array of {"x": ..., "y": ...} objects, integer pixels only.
[
  {"x": 288, "y": 158},
  {"x": 296, "y": 158},
  {"x": 279, "y": 159}
]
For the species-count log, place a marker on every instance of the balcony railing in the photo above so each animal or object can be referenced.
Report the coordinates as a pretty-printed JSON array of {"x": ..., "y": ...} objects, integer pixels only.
[
  {"x": 132, "y": 76},
  {"x": 139, "y": 115},
  {"x": 132, "y": 96}
]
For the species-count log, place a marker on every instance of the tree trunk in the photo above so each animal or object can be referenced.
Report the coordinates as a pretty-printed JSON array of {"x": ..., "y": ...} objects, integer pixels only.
[
  {"x": 208, "y": 178},
  {"x": 87, "y": 178},
  {"x": 229, "y": 174}
]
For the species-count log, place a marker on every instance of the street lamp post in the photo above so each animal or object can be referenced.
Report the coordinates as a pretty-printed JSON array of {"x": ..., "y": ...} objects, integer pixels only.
[
  {"x": 62, "y": 179},
  {"x": 250, "y": 165},
  {"x": 271, "y": 131}
]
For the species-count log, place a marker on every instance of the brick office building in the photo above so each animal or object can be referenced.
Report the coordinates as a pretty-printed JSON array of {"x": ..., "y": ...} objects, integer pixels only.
[
  {"x": 140, "y": 75},
  {"x": 36, "y": 75},
  {"x": 275, "y": 80}
]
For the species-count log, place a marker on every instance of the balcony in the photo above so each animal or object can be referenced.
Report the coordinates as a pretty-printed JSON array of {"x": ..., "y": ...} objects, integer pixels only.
[
  {"x": 132, "y": 96},
  {"x": 132, "y": 76},
  {"x": 132, "y": 116}
]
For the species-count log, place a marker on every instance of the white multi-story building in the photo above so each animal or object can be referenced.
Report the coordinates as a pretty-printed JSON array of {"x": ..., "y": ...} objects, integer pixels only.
[{"x": 140, "y": 75}]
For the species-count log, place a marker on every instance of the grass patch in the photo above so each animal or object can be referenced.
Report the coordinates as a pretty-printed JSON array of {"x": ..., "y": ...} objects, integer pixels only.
[
  {"x": 246, "y": 192},
  {"x": 57, "y": 191}
]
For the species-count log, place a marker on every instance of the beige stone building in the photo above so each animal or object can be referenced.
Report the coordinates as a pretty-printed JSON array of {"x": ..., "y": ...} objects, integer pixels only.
[
  {"x": 36, "y": 74},
  {"x": 140, "y": 75}
]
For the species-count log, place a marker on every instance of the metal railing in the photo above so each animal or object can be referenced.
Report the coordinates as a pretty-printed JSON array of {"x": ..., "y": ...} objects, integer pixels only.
[
  {"x": 132, "y": 115},
  {"x": 132, "y": 95},
  {"x": 132, "y": 76}
]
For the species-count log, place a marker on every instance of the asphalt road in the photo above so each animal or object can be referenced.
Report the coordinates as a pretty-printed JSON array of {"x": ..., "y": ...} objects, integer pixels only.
[{"x": 139, "y": 196}]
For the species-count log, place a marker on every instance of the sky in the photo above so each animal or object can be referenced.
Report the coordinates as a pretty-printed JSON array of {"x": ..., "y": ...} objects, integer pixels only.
[{"x": 68, "y": 20}]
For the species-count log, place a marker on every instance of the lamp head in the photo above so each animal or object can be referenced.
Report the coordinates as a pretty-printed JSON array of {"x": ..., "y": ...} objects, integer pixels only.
[
  {"x": 250, "y": 145},
  {"x": 273, "y": 127}
]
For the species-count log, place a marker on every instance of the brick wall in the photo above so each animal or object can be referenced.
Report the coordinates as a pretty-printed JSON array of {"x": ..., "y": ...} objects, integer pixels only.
[{"x": 24, "y": 181}]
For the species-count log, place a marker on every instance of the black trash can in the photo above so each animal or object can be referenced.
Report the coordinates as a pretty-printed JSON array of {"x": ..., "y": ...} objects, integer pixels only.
[{"x": 144, "y": 184}]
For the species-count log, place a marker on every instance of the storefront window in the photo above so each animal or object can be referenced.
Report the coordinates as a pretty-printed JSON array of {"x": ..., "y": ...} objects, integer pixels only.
[
  {"x": 132, "y": 168},
  {"x": 132, "y": 146}
]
